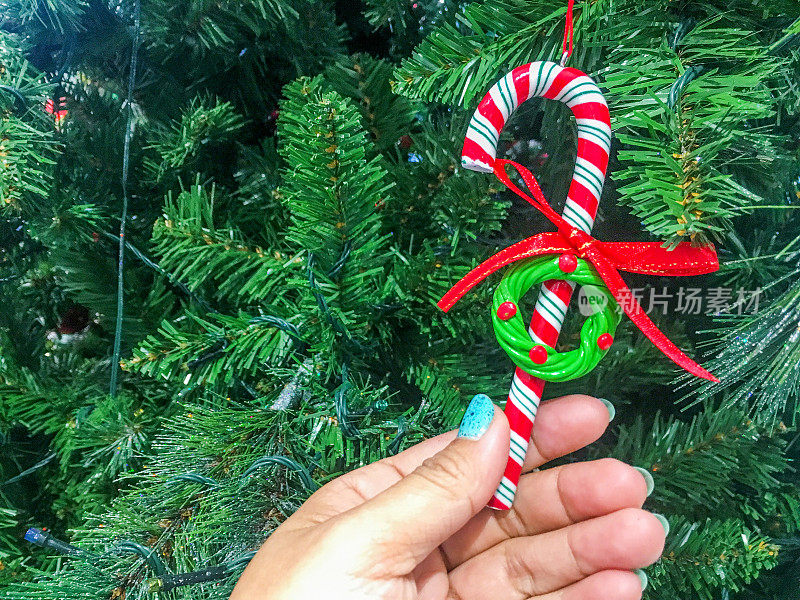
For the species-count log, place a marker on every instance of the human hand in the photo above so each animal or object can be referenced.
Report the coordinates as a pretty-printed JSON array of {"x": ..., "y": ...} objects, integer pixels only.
[{"x": 415, "y": 526}]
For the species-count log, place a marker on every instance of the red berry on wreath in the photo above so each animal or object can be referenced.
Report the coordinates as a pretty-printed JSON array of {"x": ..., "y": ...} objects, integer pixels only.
[
  {"x": 567, "y": 263},
  {"x": 604, "y": 341},
  {"x": 506, "y": 310},
  {"x": 538, "y": 355}
]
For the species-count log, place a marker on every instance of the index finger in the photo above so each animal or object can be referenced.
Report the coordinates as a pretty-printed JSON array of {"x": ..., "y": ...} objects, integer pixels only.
[{"x": 562, "y": 426}]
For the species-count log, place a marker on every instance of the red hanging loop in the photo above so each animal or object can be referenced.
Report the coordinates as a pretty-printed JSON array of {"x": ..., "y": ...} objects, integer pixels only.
[{"x": 567, "y": 46}]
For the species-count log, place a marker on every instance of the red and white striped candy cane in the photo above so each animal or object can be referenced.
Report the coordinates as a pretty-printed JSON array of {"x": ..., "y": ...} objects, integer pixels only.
[{"x": 581, "y": 94}]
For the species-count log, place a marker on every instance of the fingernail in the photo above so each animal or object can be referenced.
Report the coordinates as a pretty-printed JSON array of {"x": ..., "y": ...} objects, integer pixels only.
[
  {"x": 642, "y": 577},
  {"x": 648, "y": 479},
  {"x": 612, "y": 412},
  {"x": 663, "y": 520},
  {"x": 477, "y": 418}
]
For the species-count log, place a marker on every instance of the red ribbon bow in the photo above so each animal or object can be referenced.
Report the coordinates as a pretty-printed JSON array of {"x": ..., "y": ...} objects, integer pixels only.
[{"x": 608, "y": 258}]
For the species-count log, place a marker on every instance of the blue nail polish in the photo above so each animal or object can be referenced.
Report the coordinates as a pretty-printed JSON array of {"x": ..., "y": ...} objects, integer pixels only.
[
  {"x": 663, "y": 520},
  {"x": 477, "y": 418},
  {"x": 642, "y": 578},
  {"x": 648, "y": 479},
  {"x": 611, "y": 410}
]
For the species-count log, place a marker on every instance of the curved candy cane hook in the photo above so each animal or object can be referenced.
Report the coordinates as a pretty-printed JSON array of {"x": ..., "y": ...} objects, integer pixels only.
[
  {"x": 584, "y": 98},
  {"x": 570, "y": 86}
]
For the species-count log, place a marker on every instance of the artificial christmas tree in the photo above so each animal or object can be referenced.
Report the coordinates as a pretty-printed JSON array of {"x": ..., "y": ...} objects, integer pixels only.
[{"x": 295, "y": 209}]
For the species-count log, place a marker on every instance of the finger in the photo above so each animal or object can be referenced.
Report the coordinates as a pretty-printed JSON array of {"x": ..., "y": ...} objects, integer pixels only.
[
  {"x": 608, "y": 585},
  {"x": 430, "y": 577},
  {"x": 529, "y": 566},
  {"x": 565, "y": 425},
  {"x": 356, "y": 487},
  {"x": 549, "y": 500},
  {"x": 402, "y": 525}
]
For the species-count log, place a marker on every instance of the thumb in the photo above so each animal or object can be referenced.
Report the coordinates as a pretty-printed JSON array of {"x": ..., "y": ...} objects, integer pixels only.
[{"x": 422, "y": 510}]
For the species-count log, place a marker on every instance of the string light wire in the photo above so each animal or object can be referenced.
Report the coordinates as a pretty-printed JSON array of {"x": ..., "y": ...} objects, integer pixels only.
[{"x": 126, "y": 155}]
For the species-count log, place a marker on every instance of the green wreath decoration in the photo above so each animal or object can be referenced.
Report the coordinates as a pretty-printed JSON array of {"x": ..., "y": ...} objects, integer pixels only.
[{"x": 512, "y": 332}]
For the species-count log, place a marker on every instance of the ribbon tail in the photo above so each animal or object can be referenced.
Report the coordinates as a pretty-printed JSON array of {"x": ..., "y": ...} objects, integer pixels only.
[
  {"x": 544, "y": 243},
  {"x": 663, "y": 343},
  {"x": 633, "y": 309}
]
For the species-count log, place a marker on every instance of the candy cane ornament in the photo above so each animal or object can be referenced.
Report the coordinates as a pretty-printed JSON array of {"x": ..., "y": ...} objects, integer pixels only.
[{"x": 580, "y": 93}]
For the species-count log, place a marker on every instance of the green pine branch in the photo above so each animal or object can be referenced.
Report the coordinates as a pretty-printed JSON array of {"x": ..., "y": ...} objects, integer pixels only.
[
  {"x": 27, "y": 144},
  {"x": 702, "y": 557},
  {"x": 386, "y": 116},
  {"x": 202, "y": 350},
  {"x": 692, "y": 130},
  {"x": 758, "y": 361},
  {"x": 211, "y": 259},
  {"x": 205, "y": 128},
  {"x": 333, "y": 191},
  {"x": 457, "y": 65},
  {"x": 705, "y": 466}
]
